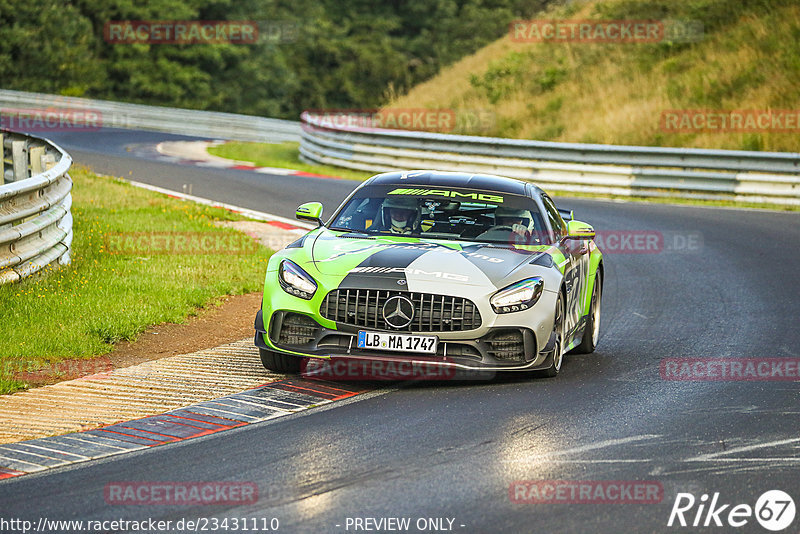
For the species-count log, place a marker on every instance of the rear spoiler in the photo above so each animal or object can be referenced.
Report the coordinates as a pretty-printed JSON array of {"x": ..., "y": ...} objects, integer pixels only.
[{"x": 567, "y": 215}]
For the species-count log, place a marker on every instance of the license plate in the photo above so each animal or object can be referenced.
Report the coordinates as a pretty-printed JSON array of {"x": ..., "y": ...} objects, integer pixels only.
[{"x": 397, "y": 342}]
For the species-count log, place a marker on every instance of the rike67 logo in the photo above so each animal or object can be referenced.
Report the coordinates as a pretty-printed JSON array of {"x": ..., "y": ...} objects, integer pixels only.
[{"x": 774, "y": 510}]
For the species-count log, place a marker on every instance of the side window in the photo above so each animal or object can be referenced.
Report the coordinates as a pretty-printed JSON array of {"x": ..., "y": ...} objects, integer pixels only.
[
  {"x": 358, "y": 214},
  {"x": 556, "y": 221}
]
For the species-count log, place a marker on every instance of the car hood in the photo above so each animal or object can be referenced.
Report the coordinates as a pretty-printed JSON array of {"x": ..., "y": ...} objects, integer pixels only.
[{"x": 387, "y": 262}]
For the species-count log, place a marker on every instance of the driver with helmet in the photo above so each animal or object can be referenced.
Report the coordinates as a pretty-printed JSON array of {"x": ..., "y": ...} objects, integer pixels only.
[
  {"x": 514, "y": 219},
  {"x": 399, "y": 215}
]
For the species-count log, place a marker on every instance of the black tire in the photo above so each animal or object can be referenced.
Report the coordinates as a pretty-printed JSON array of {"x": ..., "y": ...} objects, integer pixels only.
[
  {"x": 279, "y": 363},
  {"x": 555, "y": 360},
  {"x": 592, "y": 330}
]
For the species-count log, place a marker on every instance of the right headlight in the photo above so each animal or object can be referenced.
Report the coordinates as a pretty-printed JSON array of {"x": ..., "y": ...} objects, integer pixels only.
[
  {"x": 518, "y": 296},
  {"x": 296, "y": 281}
]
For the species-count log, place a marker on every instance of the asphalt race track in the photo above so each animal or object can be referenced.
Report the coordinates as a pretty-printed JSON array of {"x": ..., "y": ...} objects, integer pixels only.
[
  {"x": 132, "y": 155},
  {"x": 452, "y": 450}
]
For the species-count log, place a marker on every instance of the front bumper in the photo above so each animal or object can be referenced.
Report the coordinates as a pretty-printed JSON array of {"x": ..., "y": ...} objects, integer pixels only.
[{"x": 497, "y": 348}]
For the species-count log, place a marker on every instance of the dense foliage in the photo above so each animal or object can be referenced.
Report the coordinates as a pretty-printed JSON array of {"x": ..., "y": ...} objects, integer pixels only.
[{"x": 311, "y": 53}]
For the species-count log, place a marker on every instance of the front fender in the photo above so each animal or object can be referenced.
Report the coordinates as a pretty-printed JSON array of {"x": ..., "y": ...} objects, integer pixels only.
[{"x": 595, "y": 262}]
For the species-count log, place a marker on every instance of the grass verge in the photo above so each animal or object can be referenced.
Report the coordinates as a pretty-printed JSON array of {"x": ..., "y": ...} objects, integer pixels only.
[
  {"x": 282, "y": 155},
  {"x": 104, "y": 295}
]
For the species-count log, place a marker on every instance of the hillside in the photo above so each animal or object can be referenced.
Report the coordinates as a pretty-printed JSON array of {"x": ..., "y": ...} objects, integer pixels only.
[{"x": 747, "y": 58}]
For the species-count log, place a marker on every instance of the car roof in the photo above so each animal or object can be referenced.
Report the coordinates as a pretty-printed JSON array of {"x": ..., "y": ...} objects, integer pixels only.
[{"x": 482, "y": 182}]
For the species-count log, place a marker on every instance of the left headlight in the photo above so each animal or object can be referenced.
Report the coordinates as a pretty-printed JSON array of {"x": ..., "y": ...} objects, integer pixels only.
[
  {"x": 518, "y": 297},
  {"x": 296, "y": 281}
]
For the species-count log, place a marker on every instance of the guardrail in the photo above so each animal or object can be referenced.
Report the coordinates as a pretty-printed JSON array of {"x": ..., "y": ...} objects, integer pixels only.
[
  {"x": 35, "y": 202},
  {"x": 107, "y": 114},
  {"x": 772, "y": 177}
]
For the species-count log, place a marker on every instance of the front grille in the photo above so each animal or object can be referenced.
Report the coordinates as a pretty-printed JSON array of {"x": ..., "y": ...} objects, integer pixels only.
[
  {"x": 298, "y": 330},
  {"x": 432, "y": 313},
  {"x": 507, "y": 345}
]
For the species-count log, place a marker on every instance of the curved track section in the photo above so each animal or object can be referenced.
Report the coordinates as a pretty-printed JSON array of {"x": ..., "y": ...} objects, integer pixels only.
[
  {"x": 133, "y": 155},
  {"x": 454, "y": 450}
]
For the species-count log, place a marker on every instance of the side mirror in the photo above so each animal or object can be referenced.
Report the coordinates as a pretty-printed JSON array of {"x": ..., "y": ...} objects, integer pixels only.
[
  {"x": 579, "y": 230},
  {"x": 310, "y": 211}
]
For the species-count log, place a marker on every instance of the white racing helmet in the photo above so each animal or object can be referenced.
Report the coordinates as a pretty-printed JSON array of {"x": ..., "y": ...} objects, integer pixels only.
[
  {"x": 514, "y": 213},
  {"x": 404, "y": 203}
]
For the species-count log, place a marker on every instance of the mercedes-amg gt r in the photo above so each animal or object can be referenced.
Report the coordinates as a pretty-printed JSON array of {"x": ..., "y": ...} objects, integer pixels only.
[{"x": 454, "y": 270}]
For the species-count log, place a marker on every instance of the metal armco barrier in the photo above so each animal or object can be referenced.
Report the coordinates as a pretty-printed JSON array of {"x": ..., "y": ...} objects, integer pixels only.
[
  {"x": 772, "y": 177},
  {"x": 107, "y": 114},
  {"x": 766, "y": 177},
  {"x": 35, "y": 201}
]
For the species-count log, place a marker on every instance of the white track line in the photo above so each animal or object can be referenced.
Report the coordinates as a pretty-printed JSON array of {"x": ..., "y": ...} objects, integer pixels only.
[
  {"x": 586, "y": 448},
  {"x": 715, "y": 455}
]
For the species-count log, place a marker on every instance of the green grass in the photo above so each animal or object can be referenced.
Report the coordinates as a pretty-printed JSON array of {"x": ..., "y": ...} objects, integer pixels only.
[
  {"x": 81, "y": 310},
  {"x": 282, "y": 155}
]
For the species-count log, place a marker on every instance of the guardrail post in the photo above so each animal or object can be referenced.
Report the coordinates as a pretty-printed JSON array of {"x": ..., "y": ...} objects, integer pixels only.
[
  {"x": 18, "y": 160},
  {"x": 48, "y": 161},
  {"x": 36, "y": 153}
]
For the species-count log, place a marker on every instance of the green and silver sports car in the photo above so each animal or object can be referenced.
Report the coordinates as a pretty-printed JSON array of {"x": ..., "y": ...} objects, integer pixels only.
[{"x": 459, "y": 271}]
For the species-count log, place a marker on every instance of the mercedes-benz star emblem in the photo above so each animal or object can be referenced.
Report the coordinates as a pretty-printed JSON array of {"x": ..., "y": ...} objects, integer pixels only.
[{"x": 398, "y": 312}]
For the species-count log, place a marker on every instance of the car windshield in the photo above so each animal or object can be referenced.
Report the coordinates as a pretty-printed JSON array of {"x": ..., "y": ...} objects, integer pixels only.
[{"x": 460, "y": 214}]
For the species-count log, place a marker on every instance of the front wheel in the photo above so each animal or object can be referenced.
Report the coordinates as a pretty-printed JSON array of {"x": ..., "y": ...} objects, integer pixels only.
[
  {"x": 592, "y": 331},
  {"x": 556, "y": 358},
  {"x": 279, "y": 363}
]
